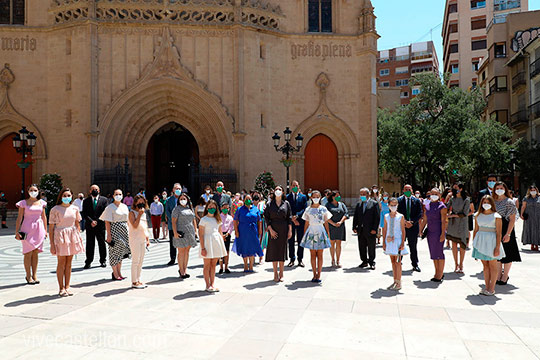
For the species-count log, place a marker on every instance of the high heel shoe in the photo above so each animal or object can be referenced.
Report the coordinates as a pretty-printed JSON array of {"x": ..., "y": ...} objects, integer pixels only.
[{"x": 30, "y": 282}]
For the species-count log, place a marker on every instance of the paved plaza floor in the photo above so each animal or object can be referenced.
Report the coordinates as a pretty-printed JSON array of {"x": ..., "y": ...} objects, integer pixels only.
[{"x": 349, "y": 316}]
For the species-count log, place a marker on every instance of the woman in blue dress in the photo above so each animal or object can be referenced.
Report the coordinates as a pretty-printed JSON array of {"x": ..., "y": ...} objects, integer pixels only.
[
  {"x": 384, "y": 210},
  {"x": 248, "y": 229}
]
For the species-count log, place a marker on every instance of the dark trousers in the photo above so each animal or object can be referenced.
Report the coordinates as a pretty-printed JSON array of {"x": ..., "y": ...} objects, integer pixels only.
[
  {"x": 3, "y": 214},
  {"x": 156, "y": 222},
  {"x": 412, "y": 240},
  {"x": 91, "y": 234},
  {"x": 82, "y": 222},
  {"x": 366, "y": 246},
  {"x": 172, "y": 249},
  {"x": 297, "y": 235}
]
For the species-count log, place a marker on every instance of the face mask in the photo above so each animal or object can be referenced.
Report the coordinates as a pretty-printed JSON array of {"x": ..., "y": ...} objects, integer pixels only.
[
  {"x": 375, "y": 191},
  {"x": 295, "y": 189},
  {"x": 500, "y": 192},
  {"x": 434, "y": 197},
  {"x": 219, "y": 189},
  {"x": 491, "y": 184},
  {"x": 248, "y": 202},
  {"x": 208, "y": 191},
  {"x": 393, "y": 208},
  {"x": 178, "y": 192},
  {"x": 183, "y": 202},
  {"x": 417, "y": 195},
  {"x": 338, "y": 198},
  {"x": 66, "y": 200},
  {"x": 2, "y": 195},
  {"x": 80, "y": 197},
  {"x": 164, "y": 196},
  {"x": 385, "y": 198},
  {"x": 95, "y": 193},
  {"x": 212, "y": 211},
  {"x": 256, "y": 198},
  {"x": 363, "y": 198},
  {"x": 316, "y": 200},
  {"x": 33, "y": 194},
  {"x": 225, "y": 211},
  {"x": 278, "y": 193},
  {"x": 486, "y": 206},
  {"x": 140, "y": 206},
  {"x": 309, "y": 194},
  {"x": 454, "y": 192},
  {"x": 156, "y": 200},
  {"x": 408, "y": 193},
  {"x": 533, "y": 193},
  {"x": 118, "y": 197}
]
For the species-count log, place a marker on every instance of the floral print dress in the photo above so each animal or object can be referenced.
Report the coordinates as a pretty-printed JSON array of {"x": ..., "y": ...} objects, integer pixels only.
[{"x": 316, "y": 237}]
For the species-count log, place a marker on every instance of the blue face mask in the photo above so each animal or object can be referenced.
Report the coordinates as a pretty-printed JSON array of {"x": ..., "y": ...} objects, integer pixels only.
[
  {"x": 363, "y": 198},
  {"x": 491, "y": 184},
  {"x": 66, "y": 200},
  {"x": 178, "y": 192}
]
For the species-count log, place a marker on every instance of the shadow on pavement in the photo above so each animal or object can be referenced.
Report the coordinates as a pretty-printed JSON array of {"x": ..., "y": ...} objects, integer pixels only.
[
  {"x": 260, "y": 285},
  {"x": 301, "y": 284},
  {"x": 193, "y": 295},
  {"x": 427, "y": 284},
  {"x": 167, "y": 280},
  {"x": 384, "y": 293},
  {"x": 112, "y": 292},
  {"x": 478, "y": 275},
  {"x": 156, "y": 266},
  {"x": 481, "y": 300},
  {"x": 5, "y": 287},
  {"x": 91, "y": 283},
  {"x": 32, "y": 300},
  {"x": 357, "y": 270}
]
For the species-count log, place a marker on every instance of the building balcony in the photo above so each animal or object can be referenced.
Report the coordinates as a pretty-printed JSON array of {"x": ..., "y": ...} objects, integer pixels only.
[
  {"x": 534, "y": 111},
  {"x": 519, "y": 119},
  {"x": 535, "y": 68},
  {"x": 518, "y": 80}
]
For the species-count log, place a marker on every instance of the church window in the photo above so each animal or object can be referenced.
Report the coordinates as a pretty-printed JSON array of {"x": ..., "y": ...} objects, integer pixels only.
[
  {"x": 320, "y": 15},
  {"x": 12, "y": 12}
]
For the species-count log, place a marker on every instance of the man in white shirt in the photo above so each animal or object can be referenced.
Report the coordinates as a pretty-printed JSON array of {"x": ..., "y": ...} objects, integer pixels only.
[{"x": 78, "y": 202}]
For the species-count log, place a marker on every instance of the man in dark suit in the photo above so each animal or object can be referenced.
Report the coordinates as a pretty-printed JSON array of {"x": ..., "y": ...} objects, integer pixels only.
[
  {"x": 367, "y": 216},
  {"x": 490, "y": 182},
  {"x": 298, "y": 202},
  {"x": 93, "y": 207},
  {"x": 411, "y": 208}
]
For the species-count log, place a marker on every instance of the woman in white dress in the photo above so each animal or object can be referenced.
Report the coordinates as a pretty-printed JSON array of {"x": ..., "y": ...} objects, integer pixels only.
[
  {"x": 212, "y": 243},
  {"x": 394, "y": 241}
]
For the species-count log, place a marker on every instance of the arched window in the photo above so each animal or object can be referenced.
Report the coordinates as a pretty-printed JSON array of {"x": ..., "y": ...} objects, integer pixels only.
[
  {"x": 12, "y": 12},
  {"x": 320, "y": 15}
]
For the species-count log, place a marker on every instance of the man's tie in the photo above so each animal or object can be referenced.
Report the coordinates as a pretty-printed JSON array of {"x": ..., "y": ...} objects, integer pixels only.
[
  {"x": 95, "y": 203},
  {"x": 408, "y": 209}
]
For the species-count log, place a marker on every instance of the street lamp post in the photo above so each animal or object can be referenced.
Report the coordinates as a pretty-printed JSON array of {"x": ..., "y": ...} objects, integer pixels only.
[
  {"x": 24, "y": 142},
  {"x": 287, "y": 149}
]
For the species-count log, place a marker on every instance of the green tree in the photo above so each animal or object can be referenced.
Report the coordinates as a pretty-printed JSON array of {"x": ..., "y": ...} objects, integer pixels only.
[
  {"x": 528, "y": 163},
  {"x": 264, "y": 183},
  {"x": 441, "y": 136},
  {"x": 51, "y": 185}
]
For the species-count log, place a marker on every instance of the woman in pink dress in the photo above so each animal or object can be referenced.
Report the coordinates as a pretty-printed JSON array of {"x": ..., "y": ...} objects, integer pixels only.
[
  {"x": 30, "y": 230},
  {"x": 65, "y": 237}
]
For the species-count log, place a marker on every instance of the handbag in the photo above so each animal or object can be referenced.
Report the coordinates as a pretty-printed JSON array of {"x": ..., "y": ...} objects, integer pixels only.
[
  {"x": 424, "y": 233},
  {"x": 525, "y": 216}
]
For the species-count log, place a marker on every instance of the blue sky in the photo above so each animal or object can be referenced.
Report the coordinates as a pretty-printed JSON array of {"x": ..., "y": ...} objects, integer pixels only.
[{"x": 400, "y": 23}]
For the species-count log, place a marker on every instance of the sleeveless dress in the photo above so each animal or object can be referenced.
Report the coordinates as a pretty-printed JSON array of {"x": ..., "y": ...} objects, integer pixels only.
[
  {"x": 531, "y": 226},
  {"x": 394, "y": 235},
  {"x": 247, "y": 244},
  {"x": 486, "y": 238},
  {"x": 507, "y": 208},
  {"x": 316, "y": 237},
  {"x": 33, "y": 226},
  {"x": 67, "y": 239},
  {"x": 434, "y": 229},
  {"x": 184, "y": 223},
  {"x": 213, "y": 241},
  {"x": 384, "y": 210}
]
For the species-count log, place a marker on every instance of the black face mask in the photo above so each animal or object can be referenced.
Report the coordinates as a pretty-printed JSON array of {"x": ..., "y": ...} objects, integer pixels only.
[
  {"x": 95, "y": 193},
  {"x": 140, "y": 206},
  {"x": 454, "y": 192},
  {"x": 256, "y": 198}
]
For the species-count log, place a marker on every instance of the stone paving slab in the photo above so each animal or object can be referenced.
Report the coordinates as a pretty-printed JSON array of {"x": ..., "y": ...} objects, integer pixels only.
[{"x": 351, "y": 315}]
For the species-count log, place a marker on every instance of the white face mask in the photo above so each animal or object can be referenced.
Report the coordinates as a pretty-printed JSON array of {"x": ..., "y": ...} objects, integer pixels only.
[
  {"x": 33, "y": 194},
  {"x": 164, "y": 196},
  {"x": 316, "y": 200},
  {"x": 486, "y": 206},
  {"x": 500, "y": 192},
  {"x": 393, "y": 208},
  {"x": 375, "y": 191},
  {"x": 278, "y": 193},
  {"x": 156, "y": 200},
  {"x": 183, "y": 202},
  {"x": 118, "y": 197},
  {"x": 434, "y": 197},
  {"x": 208, "y": 191},
  {"x": 533, "y": 193}
]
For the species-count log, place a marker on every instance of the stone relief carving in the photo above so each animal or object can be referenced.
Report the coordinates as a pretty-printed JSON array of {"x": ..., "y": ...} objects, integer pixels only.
[{"x": 254, "y": 13}]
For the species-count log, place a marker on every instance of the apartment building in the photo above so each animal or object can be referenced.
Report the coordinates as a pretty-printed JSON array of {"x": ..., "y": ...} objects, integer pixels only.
[
  {"x": 396, "y": 66},
  {"x": 464, "y": 34}
]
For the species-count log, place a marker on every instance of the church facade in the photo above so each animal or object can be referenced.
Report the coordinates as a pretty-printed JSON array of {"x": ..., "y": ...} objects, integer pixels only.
[{"x": 160, "y": 91}]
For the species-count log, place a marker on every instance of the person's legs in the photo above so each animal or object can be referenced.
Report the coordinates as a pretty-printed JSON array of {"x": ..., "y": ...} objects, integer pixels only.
[
  {"x": 281, "y": 268},
  {"x": 34, "y": 264},
  {"x": 487, "y": 274},
  {"x": 362, "y": 248},
  {"x": 332, "y": 251},
  {"x": 156, "y": 221},
  {"x": 164, "y": 230},
  {"x": 186, "y": 259},
  {"x": 372, "y": 245},
  {"x": 60, "y": 269},
  {"x": 440, "y": 270},
  {"x": 455, "y": 254},
  {"x": 314, "y": 263},
  {"x": 291, "y": 242},
  {"x": 90, "y": 244},
  {"x": 319, "y": 263},
  {"x": 507, "y": 266},
  {"x": 28, "y": 265},
  {"x": 206, "y": 272},
  {"x": 275, "y": 267},
  {"x": 246, "y": 266},
  {"x": 102, "y": 247},
  {"x": 500, "y": 272},
  {"x": 180, "y": 260},
  {"x": 462, "y": 252},
  {"x": 338, "y": 252},
  {"x": 212, "y": 272},
  {"x": 119, "y": 269},
  {"x": 67, "y": 272},
  {"x": 251, "y": 262},
  {"x": 172, "y": 249},
  {"x": 299, "y": 237},
  {"x": 493, "y": 268},
  {"x": 412, "y": 240}
]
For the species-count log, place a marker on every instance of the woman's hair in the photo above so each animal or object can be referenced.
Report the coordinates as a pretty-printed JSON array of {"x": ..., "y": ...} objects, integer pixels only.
[
  {"x": 491, "y": 201},
  {"x": 201, "y": 201},
  {"x": 137, "y": 198},
  {"x": 188, "y": 200},
  {"x": 332, "y": 195},
  {"x": 464, "y": 193},
  {"x": 506, "y": 191},
  {"x": 316, "y": 192},
  {"x": 532, "y": 187},
  {"x": 37, "y": 187},
  {"x": 216, "y": 214},
  {"x": 391, "y": 200},
  {"x": 60, "y": 195}
]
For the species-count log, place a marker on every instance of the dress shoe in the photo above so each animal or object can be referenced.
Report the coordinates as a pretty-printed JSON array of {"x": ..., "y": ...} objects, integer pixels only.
[
  {"x": 171, "y": 263},
  {"x": 416, "y": 268},
  {"x": 4, "y": 226},
  {"x": 86, "y": 266},
  {"x": 227, "y": 271},
  {"x": 363, "y": 265},
  {"x": 291, "y": 264},
  {"x": 103, "y": 265},
  {"x": 372, "y": 266},
  {"x": 301, "y": 264}
]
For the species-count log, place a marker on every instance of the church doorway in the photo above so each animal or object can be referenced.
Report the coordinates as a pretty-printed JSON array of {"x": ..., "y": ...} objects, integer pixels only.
[
  {"x": 172, "y": 156},
  {"x": 11, "y": 174},
  {"x": 321, "y": 164}
]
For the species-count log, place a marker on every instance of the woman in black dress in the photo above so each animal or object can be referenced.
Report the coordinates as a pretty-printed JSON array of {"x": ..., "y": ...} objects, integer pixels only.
[
  {"x": 337, "y": 225},
  {"x": 277, "y": 215},
  {"x": 506, "y": 207}
]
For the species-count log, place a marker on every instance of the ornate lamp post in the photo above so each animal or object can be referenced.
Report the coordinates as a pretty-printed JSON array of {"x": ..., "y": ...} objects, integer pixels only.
[
  {"x": 24, "y": 143},
  {"x": 287, "y": 149}
]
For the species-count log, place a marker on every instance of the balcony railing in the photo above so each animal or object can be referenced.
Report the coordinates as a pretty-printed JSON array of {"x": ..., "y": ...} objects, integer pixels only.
[
  {"x": 519, "y": 118},
  {"x": 534, "y": 111},
  {"x": 535, "y": 68},
  {"x": 518, "y": 80}
]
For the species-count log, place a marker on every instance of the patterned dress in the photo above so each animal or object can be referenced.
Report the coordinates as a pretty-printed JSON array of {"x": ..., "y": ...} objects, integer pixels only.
[
  {"x": 184, "y": 224},
  {"x": 117, "y": 216},
  {"x": 506, "y": 208},
  {"x": 531, "y": 226},
  {"x": 394, "y": 236},
  {"x": 458, "y": 228},
  {"x": 316, "y": 237}
]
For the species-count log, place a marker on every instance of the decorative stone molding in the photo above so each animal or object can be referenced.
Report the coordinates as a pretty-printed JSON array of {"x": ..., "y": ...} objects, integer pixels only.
[{"x": 253, "y": 13}]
